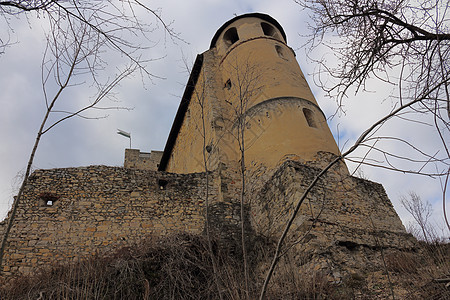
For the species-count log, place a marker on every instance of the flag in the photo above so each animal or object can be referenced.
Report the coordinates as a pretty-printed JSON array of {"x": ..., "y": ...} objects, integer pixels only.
[{"x": 125, "y": 134}]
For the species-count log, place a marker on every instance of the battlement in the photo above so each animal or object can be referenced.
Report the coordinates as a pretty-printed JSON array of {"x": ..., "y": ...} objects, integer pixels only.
[{"x": 135, "y": 159}]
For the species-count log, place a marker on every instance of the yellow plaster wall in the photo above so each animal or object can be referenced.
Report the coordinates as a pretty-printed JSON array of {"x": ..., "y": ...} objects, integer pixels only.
[
  {"x": 257, "y": 76},
  {"x": 257, "y": 64},
  {"x": 279, "y": 129},
  {"x": 187, "y": 154}
]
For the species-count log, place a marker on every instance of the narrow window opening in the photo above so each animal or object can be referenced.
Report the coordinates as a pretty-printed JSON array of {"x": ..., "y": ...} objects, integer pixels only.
[
  {"x": 280, "y": 51},
  {"x": 230, "y": 36},
  {"x": 269, "y": 30},
  {"x": 48, "y": 198},
  {"x": 227, "y": 85},
  {"x": 309, "y": 116},
  {"x": 162, "y": 184}
]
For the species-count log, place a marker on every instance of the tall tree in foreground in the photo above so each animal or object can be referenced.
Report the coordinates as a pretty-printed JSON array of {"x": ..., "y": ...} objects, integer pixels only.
[
  {"x": 79, "y": 34},
  {"x": 405, "y": 44}
]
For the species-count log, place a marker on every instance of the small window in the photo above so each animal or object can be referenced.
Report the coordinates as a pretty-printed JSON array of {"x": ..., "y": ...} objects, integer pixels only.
[
  {"x": 48, "y": 198},
  {"x": 269, "y": 30},
  {"x": 309, "y": 116},
  {"x": 281, "y": 52},
  {"x": 230, "y": 36},
  {"x": 227, "y": 85},
  {"x": 162, "y": 183}
]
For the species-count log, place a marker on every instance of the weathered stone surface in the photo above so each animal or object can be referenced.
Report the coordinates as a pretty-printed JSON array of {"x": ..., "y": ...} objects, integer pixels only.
[
  {"x": 135, "y": 159},
  {"x": 126, "y": 206}
]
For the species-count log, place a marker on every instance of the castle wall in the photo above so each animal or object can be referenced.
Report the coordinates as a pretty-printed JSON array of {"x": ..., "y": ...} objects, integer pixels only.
[
  {"x": 135, "y": 159},
  {"x": 68, "y": 214},
  {"x": 98, "y": 209},
  {"x": 339, "y": 210}
]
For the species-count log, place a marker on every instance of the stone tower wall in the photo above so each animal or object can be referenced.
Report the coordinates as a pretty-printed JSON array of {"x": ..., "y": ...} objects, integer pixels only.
[
  {"x": 340, "y": 209},
  {"x": 249, "y": 74},
  {"x": 187, "y": 153}
]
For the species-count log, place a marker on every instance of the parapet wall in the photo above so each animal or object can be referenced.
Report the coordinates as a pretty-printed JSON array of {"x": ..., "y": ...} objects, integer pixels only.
[
  {"x": 135, "y": 159},
  {"x": 98, "y": 209}
]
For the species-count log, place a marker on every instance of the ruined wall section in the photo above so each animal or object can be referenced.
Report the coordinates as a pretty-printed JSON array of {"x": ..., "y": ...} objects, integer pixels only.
[
  {"x": 343, "y": 208},
  {"x": 98, "y": 209},
  {"x": 342, "y": 221}
]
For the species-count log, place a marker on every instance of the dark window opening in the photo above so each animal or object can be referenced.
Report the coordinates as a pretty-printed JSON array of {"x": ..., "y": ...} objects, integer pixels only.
[
  {"x": 309, "y": 116},
  {"x": 48, "y": 198},
  {"x": 269, "y": 30},
  {"x": 280, "y": 51},
  {"x": 230, "y": 36},
  {"x": 162, "y": 183},
  {"x": 228, "y": 84}
]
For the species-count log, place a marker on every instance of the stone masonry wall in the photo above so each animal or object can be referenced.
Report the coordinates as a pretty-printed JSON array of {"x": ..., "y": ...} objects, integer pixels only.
[
  {"x": 98, "y": 209},
  {"x": 343, "y": 208},
  {"x": 342, "y": 222},
  {"x": 135, "y": 159}
]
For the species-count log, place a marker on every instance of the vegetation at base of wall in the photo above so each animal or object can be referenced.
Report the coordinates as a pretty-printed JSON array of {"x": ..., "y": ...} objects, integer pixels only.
[
  {"x": 426, "y": 273},
  {"x": 179, "y": 267}
]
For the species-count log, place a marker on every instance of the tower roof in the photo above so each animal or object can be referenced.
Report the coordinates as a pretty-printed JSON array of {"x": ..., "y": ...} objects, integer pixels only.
[{"x": 264, "y": 17}]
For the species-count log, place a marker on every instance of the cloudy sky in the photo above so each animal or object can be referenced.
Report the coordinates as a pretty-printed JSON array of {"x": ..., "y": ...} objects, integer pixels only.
[{"x": 79, "y": 142}]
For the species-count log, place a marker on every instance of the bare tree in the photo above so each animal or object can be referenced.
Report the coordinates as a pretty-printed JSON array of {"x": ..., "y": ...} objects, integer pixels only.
[
  {"x": 78, "y": 33},
  {"x": 376, "y": 39},
  {"x": 200, "y": 99},
  {"x": 366, "y": 135},
  {"x": 421, "y": 211},
  {"x": 123, "y": 26},
  {"x": 405, "y": 44},
  {"x": 244, "y": 88}
]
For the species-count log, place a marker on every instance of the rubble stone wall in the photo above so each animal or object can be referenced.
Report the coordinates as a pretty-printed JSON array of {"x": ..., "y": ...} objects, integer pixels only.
[
  {"x": 98, "y": 209},
  {"x": 341, "y": 225},
  {"x": 67, "y": 214},
  {"x": 340, "y": 208}
]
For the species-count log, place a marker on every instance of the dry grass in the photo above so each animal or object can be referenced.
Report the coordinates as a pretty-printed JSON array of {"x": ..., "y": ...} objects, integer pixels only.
[
  {"x": 422, "y": 274},
  {"x": 179, "y": 267}
]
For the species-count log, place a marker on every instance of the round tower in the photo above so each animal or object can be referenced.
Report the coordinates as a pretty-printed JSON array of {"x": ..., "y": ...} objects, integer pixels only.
[{"x": 263, "y": 84}]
